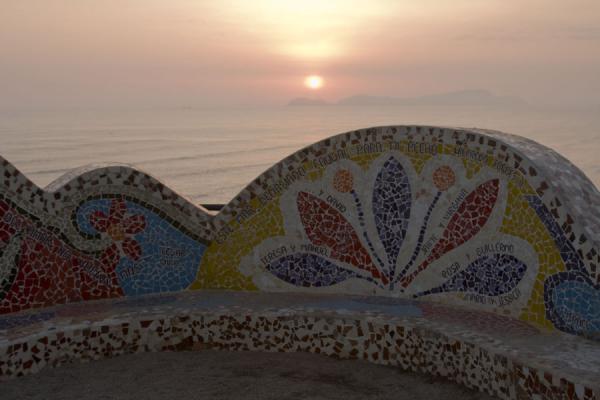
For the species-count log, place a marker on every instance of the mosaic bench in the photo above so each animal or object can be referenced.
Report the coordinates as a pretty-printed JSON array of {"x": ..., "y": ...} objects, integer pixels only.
[
  {"x": 499, "y": 355},
  {"x": 479, "y": 222}
]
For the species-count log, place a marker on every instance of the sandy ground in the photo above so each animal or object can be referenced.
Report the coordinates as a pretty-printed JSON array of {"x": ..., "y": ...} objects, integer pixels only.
[{"x": 230, "y": 375}]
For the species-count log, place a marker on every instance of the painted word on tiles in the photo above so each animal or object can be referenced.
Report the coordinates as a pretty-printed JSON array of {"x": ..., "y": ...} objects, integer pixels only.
[{"x": 476, "y": 219}]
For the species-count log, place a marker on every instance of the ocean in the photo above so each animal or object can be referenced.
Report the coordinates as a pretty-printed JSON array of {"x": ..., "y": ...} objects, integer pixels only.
[{"x": 210, "y": 154}]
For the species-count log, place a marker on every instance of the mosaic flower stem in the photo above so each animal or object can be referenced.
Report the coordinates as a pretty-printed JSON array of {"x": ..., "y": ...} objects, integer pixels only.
[
  {"x": 361, "y": 220},
  {"x": 419, "y": 241}
]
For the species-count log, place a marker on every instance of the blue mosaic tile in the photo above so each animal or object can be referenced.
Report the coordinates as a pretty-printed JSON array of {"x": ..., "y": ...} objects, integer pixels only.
[
  {"x": 391, "y": 208},
  {"x": 310, "y": 270},
  {"x": 571, "y": 298},
  {"x": 573, "y": 303},
  {"x": 14, "y": 321},
  {"x": 488, "y": 276},
  {"x": 397, "y": 310},
  {"x": 164, "y": 258}
]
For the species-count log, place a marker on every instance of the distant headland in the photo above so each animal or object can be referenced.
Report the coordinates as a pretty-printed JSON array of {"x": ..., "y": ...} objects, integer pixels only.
[{"x": 457, "y": 98}]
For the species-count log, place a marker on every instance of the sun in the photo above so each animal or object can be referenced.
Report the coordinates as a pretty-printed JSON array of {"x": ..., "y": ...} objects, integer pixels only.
[{"x": 313, "y": 82}]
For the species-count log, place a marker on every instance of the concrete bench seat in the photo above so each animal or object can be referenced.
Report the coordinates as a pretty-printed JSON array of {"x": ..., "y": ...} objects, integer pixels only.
[{"x": 495, "y": 354}]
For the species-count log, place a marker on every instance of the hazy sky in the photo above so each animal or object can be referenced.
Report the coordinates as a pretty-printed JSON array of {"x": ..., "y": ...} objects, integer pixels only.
[{"x": 91, "y": 53}]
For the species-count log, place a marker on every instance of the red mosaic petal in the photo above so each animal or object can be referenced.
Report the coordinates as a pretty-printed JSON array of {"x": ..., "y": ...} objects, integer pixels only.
[
  {"x": 4, "y": 235},
  {"x": 134, "y": 224},
  {"x": 132, "y": 249},
  {"x": 3, "y": 207},
  {"x": 325, "y": 226},
  {"x": 117, "y": 211},
  {"x": 467, "y": 221},
  {"x": 99, "y": 221},
  {"x": 110, "y": 258}
]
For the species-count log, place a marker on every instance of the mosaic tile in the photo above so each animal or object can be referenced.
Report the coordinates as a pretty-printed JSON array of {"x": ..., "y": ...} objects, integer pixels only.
[
  {"x": 409, "y": 214},
  {"x": 324, "y": 225},
  {"x": 14, "y": 321},
  {"x": 480, "y": 350},
  {"x": 310, "y": 270},
  {"x": 97, "y": 236},
  {"x": 489, "y": 275},
  {"x": 391, "y": 208},
  {"x": 470, "y": 217},
  {"x": 441, "y": 214},
  {"x": 148, "y": 254},
  {"x": 480, "y": 220}
]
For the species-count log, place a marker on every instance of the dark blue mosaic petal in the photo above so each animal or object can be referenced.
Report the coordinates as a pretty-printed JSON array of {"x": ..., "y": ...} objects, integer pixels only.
[
  {"x": 567, "y": 251},
  {"x": 422, "y": 231},
  {"x": 488, "y": 276},
  {"x": 309, "y": 270},
  {"x": 391, "y": 208}
]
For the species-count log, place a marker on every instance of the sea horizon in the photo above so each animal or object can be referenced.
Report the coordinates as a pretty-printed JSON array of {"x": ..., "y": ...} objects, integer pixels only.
[{"x": 210, "y": 153}]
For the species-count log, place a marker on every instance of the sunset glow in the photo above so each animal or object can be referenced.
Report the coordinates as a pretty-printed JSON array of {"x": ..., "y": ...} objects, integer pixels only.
[
  {"x": 313, "y": 82},
  {"x": 261, "y": 52}
]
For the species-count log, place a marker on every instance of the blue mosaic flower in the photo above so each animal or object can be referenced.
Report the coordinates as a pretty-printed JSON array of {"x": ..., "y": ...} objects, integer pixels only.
[
  {"x": 165, "y": 258},
  {"x": 572, "y": 300}
]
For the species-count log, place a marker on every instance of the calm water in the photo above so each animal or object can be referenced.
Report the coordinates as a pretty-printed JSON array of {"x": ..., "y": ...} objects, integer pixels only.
[{"x": 209, "y": 155}]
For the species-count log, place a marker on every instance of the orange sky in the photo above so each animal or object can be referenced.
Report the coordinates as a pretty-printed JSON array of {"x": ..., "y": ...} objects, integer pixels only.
[{"x": 85, "y": 53}]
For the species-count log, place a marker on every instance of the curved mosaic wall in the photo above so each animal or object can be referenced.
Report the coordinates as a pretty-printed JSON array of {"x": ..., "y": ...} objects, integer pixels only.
[{"x": 477, "y": 218}]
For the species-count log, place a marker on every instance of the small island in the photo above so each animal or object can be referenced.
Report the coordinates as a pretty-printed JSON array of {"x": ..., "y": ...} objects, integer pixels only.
[
  {"x": 303, "y": 101},
  {"x": 476, "y": 97}
]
